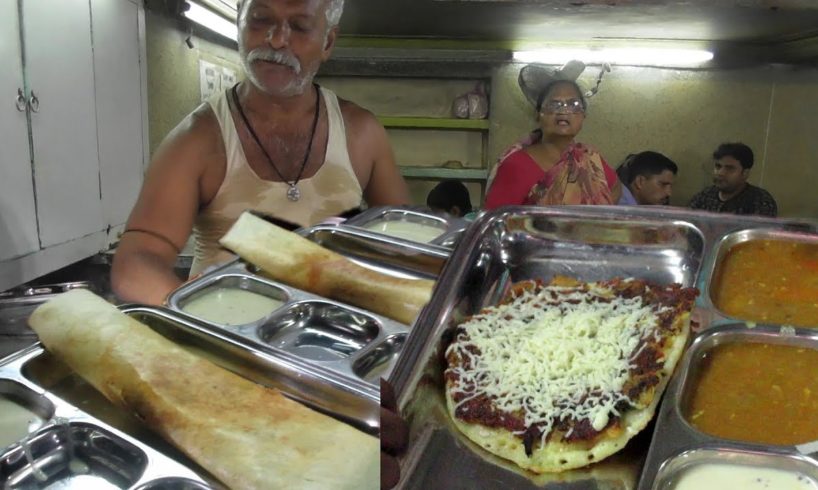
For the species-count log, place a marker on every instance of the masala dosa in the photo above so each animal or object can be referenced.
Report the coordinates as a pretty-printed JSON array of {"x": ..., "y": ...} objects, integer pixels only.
[
  {"x": 294, "y": 260},
  {"x": 248, "y": 436}
]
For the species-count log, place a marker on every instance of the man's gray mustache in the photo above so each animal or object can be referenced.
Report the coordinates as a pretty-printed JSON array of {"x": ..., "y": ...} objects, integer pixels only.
[{"x": 281, "y": 57}]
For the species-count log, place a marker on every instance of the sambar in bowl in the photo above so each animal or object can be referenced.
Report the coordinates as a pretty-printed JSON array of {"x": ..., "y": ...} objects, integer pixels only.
[
  {"x": 755, "y": 391},
  {"x": 768, "y": 279}
]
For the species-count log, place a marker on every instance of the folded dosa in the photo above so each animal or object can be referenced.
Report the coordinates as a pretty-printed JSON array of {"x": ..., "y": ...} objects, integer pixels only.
[
  {"x": 294, "y": 260},
  {"x": 246, "y": 435}
]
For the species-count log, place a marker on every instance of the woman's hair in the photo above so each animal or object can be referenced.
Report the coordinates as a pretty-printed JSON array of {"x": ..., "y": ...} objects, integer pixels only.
[{"x": 552, "y": 84}]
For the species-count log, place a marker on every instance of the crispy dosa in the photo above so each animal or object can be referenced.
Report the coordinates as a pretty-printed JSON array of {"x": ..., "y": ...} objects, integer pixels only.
[
  {"x": 294, "y": 260},
  {"x": 246, "y": 435}
]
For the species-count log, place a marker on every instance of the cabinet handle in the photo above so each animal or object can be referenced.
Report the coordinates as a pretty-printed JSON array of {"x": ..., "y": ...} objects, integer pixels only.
[
  {"x": 34, "y": 103},
  {"x": 20, "y": 101}
]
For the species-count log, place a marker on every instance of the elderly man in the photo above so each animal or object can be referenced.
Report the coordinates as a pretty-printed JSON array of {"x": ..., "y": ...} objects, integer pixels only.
[
  {"x": 275, "y": 142},
  {"x": 648, "y": 178},
  {"x": 731, "y": 193}
]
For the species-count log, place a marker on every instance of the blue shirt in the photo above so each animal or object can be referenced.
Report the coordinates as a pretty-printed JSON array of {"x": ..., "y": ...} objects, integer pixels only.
[{"x": 627, "y": 198}]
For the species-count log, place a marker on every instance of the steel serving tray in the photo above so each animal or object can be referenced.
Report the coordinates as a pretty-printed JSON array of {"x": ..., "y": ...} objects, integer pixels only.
[
  {"x": 84, "y": 441},
  {"x": 503, "y": 247},
  {"x": 345, "y": 347},
  {"x": 316, "y": 386},
  {"x": 657, "y": 243},
  {"x": 720, "y": 232},
  {"x": 15, "y": 307},
  {"x": 451, "y": 228},
  {"x": 382, "y": 253},
  {"x": 723, "y": 247},
  {"x": 38, "y": 294},
  {"x": 677, "y": 445}
]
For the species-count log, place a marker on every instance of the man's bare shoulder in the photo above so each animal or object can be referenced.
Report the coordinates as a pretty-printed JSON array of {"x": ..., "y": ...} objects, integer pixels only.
[
  {"x": 195, "y": 140},
  {"x": 356, "y": 117},
  {"x": 200, "y": 125}
]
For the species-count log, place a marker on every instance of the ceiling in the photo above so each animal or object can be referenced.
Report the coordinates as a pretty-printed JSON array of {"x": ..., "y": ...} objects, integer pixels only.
[{"x": 741, "y": 32}]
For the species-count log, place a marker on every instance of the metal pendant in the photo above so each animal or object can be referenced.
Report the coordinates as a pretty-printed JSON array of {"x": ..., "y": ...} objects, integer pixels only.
[{"x": 293, "y": 194}]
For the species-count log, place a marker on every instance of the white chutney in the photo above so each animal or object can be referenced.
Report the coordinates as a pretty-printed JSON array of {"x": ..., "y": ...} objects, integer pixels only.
[
  {"x": 718, "y": 476},
  {"x": 231, "y": 306},
  {"x": 408, "y": 230}
]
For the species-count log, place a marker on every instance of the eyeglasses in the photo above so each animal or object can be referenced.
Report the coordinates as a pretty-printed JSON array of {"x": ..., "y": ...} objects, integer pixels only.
[{"x": 573, "y": 106}]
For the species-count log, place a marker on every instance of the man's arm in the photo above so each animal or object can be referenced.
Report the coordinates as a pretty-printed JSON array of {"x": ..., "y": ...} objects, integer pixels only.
[
  {"x": 372, "y": 158},
  {"x": 161, "y": 220},
  {"x": 767, "y": 205},
  {"x": 394, "y": 436}
]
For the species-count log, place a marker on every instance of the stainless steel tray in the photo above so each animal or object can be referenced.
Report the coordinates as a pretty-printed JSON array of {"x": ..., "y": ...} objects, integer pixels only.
[
  {"x": 84, "y": 442},
  {"x": 719, "y": 231},
  {"x": 516, "y": 243},
  {"x": 320, "y": 388},
  {"x": 451, "y": 228},
  {"x": 677, "y": 445},
  {"x": 342, "y": 346},
  {"x": 38, "y": 294},
  {"x": 501, "y": 248},
  {"x": 338, "y": 352},
  {"x": 15, "y": 307},
  {"x": 382, "y": 253}
]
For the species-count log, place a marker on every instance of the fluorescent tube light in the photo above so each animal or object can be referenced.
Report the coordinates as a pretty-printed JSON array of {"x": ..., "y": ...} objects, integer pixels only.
[
  {"x": 226, "y": 8},
  {"x": 617, "y": 56},
  {"x": 211, "y": 20}
]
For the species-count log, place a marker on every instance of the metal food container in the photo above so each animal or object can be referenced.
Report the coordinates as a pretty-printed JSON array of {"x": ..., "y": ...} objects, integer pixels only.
[
  {"x": 15, "y": 307},
  {"x": 321, "y": 387},
  {"x": 677, "y": 445},
  {"x": 501, "y": 248},
  {"x": 718, "y": 230},
  {"x": 83, "y": 441},
  {"x": 656, "y": 243},
  {"x": 451, "y": 228},
  {"x": 382, "y": 253},
  {"x": 41, "y": 293},
  {"x": 320, "y": 352},
  {"x": 726, "y": 245},
  {"x": 673, "y": 471},
  {"x": 346, "y": 348}
]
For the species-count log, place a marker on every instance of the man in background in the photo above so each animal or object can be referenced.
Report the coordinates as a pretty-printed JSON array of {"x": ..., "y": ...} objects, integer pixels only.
[
  {"x": 450, "y": 196},
  {"x": 730, "y": 192},
  {"x": 648, "y": 177},
  {"x": 276, "y": 143}
]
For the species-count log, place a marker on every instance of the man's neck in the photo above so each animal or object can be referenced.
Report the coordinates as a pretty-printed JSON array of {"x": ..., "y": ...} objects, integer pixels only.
[
  {"x": 726, "y": 196},
  {"x": 273, "y": 107}
]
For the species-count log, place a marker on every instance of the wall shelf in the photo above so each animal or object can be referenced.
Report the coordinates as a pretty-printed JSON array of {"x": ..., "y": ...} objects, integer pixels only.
[
  {"x": 473, "y": 174},
  {"x": 434, "y": 123}
]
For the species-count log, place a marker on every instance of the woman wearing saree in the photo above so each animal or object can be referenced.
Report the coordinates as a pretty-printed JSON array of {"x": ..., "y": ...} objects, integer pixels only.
[{"x": 548, "y": 166}]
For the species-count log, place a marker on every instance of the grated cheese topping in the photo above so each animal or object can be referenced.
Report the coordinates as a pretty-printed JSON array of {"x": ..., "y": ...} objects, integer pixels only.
[{"x": 553, "y": 353}]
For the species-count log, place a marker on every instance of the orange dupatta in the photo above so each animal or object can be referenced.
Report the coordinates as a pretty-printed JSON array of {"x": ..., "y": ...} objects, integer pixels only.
[{"x": 580, "y": 164}]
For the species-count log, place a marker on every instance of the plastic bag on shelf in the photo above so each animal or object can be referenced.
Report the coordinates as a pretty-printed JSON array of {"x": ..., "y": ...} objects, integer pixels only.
[{"x": 472, "y": 105}]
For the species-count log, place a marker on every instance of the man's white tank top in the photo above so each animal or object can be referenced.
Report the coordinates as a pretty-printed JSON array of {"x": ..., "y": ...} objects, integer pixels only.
[{"x": 331, "y": 191}]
